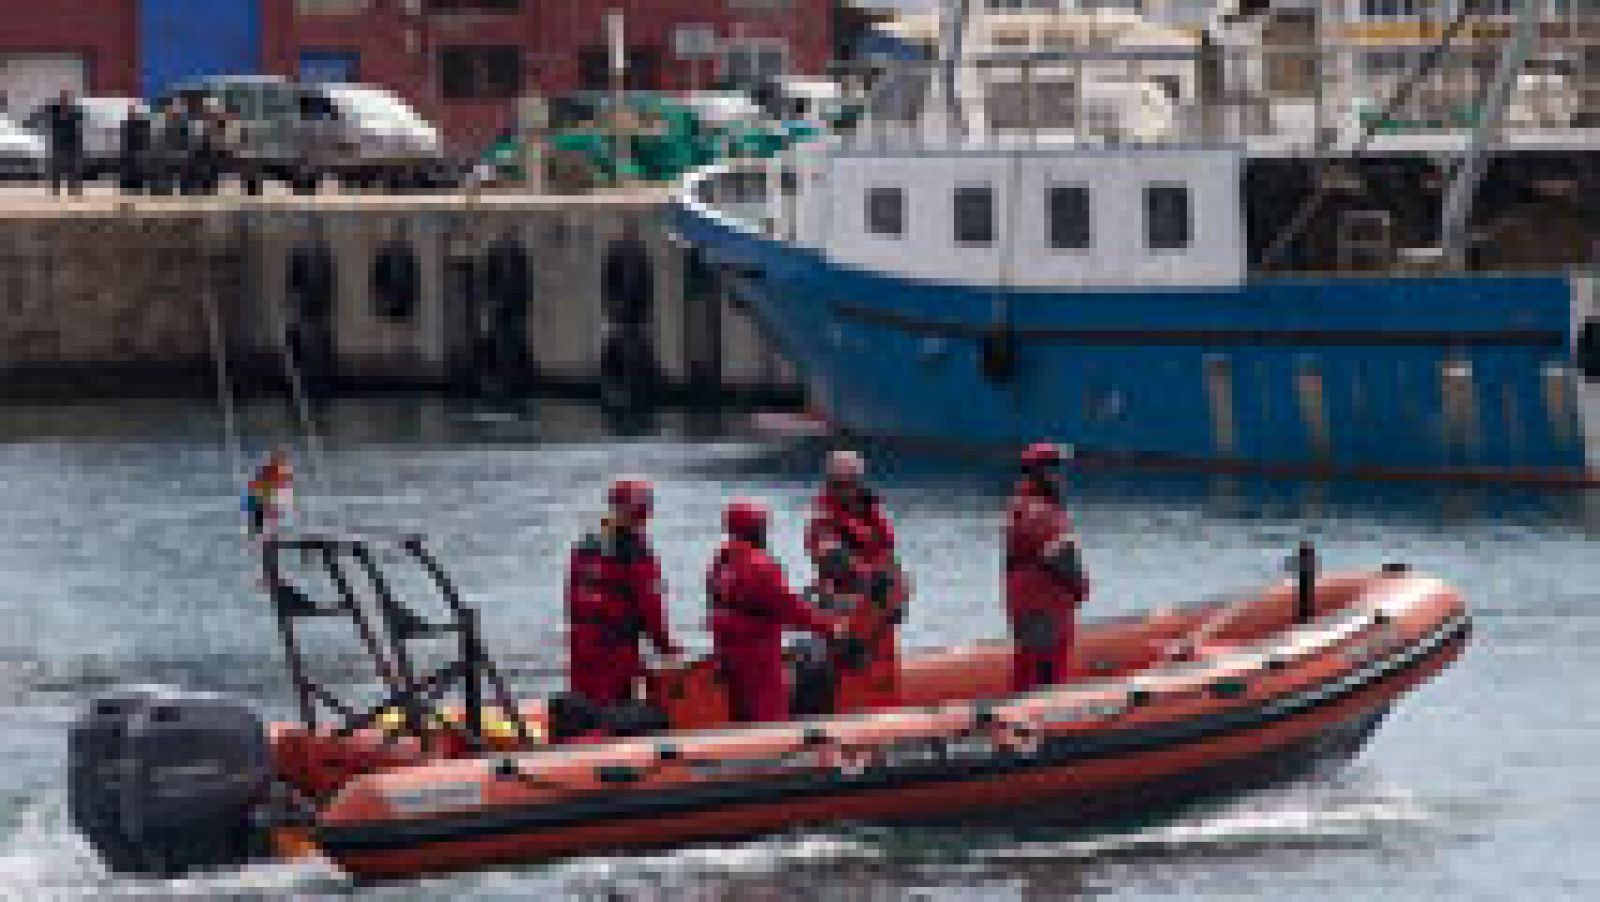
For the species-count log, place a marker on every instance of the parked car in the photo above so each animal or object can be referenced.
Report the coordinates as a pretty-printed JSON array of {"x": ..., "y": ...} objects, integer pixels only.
[
  {"x": 368, "y": 133},
  {"x": 22, "y": 153},
  {"x": 102, "y": 130},
  {"x": 302, "y": 134}
]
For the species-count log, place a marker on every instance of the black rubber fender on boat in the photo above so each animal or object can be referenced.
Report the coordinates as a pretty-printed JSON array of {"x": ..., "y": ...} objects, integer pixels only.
[
  {"x": 1588, "y": 348},
  {"x": 163, "y": 782},
  {"x": 997, "y": 355}
]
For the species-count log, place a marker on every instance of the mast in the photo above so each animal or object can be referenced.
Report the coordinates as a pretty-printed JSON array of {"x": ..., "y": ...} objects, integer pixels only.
[
  {"x": 1464, "y": 186},
  {"x": 952, "y": 32}
]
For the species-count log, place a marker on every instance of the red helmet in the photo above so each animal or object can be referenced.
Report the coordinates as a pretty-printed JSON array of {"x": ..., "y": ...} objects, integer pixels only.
[
  {"x": 632, "y": 496},
  {"x": 745, "y": 518},
  {"x": 1041, "y": 456}
]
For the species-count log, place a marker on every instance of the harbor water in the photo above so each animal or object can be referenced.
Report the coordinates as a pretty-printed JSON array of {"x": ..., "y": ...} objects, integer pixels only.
[{"x": 122, "y": 560}]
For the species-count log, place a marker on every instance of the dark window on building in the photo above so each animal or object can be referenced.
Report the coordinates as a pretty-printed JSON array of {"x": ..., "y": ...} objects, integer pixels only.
[
  {"x": 643, "y": 72},
  {"x": 594, "y": 69},
  {"x": 1069, "y": 217},
  {"x": 886, "y": 211},
  {"x": 974, "y": 214},
  {"x": 1166, "y": 210},
  {"x": 472, "y": 6},
  {"x": 748, "y": 64},
  {"x": 480, "y": 73}
]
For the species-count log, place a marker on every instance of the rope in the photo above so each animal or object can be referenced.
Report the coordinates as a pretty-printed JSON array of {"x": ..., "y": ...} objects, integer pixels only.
[
  {"x": 1400, "y": 98},
  {"x": 317, "y": 473},
  {"x": 219, "y": 357}
]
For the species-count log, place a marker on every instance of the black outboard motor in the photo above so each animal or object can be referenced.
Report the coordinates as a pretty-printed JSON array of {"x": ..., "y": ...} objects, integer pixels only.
[{"x": 162, "y": 782}]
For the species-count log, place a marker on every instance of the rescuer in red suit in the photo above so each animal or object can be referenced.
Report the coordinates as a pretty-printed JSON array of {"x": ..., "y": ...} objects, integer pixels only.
[
  {"x": 1045, "y": 581},
  {"x": 614, "y": 596},
  {"x": 751, "y": 606},
  {"x": 851, "y": 544}
]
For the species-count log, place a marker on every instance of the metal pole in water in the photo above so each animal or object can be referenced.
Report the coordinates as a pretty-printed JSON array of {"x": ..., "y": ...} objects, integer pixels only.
[{"x": 1305, "y": 594}]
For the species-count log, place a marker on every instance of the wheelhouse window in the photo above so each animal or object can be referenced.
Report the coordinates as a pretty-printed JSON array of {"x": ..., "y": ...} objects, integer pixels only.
[
  {"x": 1167, "y": 225},
  {"x": 886, "y": 211},
  {"x": 1070, "y": 228},
  {"x": 974, "y": 220}
]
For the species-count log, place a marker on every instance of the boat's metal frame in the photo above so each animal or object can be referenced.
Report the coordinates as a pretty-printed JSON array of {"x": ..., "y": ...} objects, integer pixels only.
[{"x": 386, "y": 639}]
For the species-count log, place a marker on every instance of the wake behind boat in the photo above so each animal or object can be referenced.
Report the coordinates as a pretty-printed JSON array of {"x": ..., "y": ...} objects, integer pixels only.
[{"x": 449, "y": 771}]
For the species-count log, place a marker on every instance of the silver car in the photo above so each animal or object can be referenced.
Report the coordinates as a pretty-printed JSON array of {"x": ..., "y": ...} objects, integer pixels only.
[
  {"x": 371, "y": 129},
  {"x": 304, "y": 133}
]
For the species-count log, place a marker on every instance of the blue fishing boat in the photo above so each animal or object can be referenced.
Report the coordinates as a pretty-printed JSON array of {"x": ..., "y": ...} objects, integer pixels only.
[{"x": 1154, "y": 280}]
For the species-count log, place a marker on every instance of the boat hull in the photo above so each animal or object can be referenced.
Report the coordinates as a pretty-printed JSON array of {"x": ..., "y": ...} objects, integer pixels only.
[{"x": 1127, "y": 767}]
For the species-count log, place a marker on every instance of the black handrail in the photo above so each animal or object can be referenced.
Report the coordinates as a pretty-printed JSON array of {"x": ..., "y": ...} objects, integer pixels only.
[{"x": 386, "y": 642}]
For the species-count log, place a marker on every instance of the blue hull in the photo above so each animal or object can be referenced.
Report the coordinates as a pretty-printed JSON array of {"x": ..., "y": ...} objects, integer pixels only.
[{"x": 1404, "y": 375}]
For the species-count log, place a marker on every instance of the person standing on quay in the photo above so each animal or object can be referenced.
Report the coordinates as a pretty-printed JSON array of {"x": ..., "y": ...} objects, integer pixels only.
[
  {"x": 135, "y": 145},
  {"x": 64, "y": 124}
]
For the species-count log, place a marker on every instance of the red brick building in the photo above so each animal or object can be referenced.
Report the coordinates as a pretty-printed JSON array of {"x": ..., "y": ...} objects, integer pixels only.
[
  {"x": 88, "y": 45},
  {"x": 462, "y": 63}
]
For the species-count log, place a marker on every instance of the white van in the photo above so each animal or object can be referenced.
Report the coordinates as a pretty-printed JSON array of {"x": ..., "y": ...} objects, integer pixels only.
[
  {"x": 23, "y": 154},
  {"x": 366, "y": 132}
]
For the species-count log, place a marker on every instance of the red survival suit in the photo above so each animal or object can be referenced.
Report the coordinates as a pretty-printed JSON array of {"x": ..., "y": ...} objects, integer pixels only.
[
  {"x": 751, "y": 605},
  {"x": 851, "y": 544},
  {"x": 1045, "y": 583},
  {"x": 614, "y": 594}
]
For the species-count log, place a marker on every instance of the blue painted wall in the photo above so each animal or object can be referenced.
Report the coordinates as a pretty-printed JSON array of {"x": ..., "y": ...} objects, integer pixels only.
[{"x": 182, "y": 39}]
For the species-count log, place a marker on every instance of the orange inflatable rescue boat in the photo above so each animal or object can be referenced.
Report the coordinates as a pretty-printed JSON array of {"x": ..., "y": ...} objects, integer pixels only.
[{"x": 447, "y": 771}]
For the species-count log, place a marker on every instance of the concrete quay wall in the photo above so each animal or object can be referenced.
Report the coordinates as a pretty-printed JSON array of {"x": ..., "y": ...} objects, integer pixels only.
[{"x": 105, "y": 297}]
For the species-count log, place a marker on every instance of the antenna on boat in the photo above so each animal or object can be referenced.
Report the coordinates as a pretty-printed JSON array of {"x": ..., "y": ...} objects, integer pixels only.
[
  {"x": 953, "y": 16},
  {"x": 1474, "y": 162}
]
